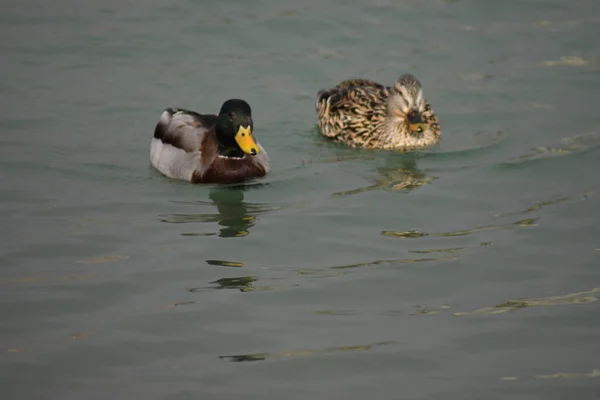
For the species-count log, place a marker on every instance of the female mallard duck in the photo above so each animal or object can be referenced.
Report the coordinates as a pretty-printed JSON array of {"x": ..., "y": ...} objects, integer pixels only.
[
  {"x": 207, "y": 148},
  {"x": 363, "y": 113}
]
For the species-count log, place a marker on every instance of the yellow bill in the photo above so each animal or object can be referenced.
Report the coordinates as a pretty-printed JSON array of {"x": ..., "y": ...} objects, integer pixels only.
[
  {"x": 244, "y": 139},
  {"x": 417, "y": 128}
]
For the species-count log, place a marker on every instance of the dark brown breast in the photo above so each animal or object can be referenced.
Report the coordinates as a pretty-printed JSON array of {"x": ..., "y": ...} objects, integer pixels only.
[
  {"x": 229, "y": 170},
  {"x": 217, "y": 169}
]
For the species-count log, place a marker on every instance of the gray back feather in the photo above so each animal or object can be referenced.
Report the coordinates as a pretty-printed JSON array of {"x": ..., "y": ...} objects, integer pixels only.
[{"x": 183, "y": 129}]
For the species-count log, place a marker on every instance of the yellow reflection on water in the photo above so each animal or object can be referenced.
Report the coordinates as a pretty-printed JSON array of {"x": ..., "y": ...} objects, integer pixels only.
[
  {"x": 571, "y": 61},
  {"x": 405, "y": 176},
  {"x": 571, "y": 375},
  {"x": 511, "y": 305},
  {"x": 224, "y": 263},
  {"x": 301, "y": 352},
  {"x": 559, "y": 375},
  {"x": 417, "y": 310},
  {"x": 450, "y": 249},
  {"x": 524, "y": 223},
  {"x": 399, "y": 261}
]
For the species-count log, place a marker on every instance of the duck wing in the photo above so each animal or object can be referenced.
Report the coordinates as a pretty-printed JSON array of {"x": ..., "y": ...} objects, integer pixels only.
[
  {"x": 183, "y": 129},
  {"x": 359, "y": 82},
  {"x": 353, "y": 111}
]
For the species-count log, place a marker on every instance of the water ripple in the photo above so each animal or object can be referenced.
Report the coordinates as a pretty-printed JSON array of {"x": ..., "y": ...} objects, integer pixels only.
[
  {"x": 302, "y": 352},
  {"x": 545, "y": 203},
  {"x": 343, "y": 269},
  {"x": 403, "y": 179},
  {"x": 235, "y": 216},
  {"x": 566, "y": 147},
  {"x": 244, "y": 284},
  {"x": 523, "y": 223},
  {"x": 417, "y": 310},
  {"x": 517, "y": 304}
]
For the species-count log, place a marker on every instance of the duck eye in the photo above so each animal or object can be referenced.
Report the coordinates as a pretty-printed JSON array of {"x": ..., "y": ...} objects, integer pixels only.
[{"x": 243, "y": 134}]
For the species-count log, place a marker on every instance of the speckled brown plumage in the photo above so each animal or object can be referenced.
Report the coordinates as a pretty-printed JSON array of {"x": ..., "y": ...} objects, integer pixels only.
[{"x": 364, "y": 113}]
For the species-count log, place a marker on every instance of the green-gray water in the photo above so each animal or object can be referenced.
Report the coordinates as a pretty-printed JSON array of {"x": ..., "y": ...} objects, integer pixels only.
[{"x": 469, "y": 271}]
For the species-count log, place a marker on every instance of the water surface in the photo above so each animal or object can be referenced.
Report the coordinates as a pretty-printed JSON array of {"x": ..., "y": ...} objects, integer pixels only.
[{"x": 466, "y": 271}]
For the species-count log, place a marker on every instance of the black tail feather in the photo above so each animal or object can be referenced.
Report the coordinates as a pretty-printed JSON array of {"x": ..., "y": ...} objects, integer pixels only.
[
  {"x": 163, "y": 123},
  {"x": 332, "y": 96}
]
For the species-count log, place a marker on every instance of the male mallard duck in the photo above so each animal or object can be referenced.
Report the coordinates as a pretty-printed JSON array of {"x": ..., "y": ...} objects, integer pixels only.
[
  {"x": 363, "y": 113},
  {"x": 208, "y": 148}
]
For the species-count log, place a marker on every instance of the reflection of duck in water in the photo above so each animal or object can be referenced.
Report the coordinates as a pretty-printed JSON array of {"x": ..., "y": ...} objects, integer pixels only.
[
  {"x": 234, "y": 215},
  {"x": 405, "y": 176},
  {"x": 363, "y": 113}
]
